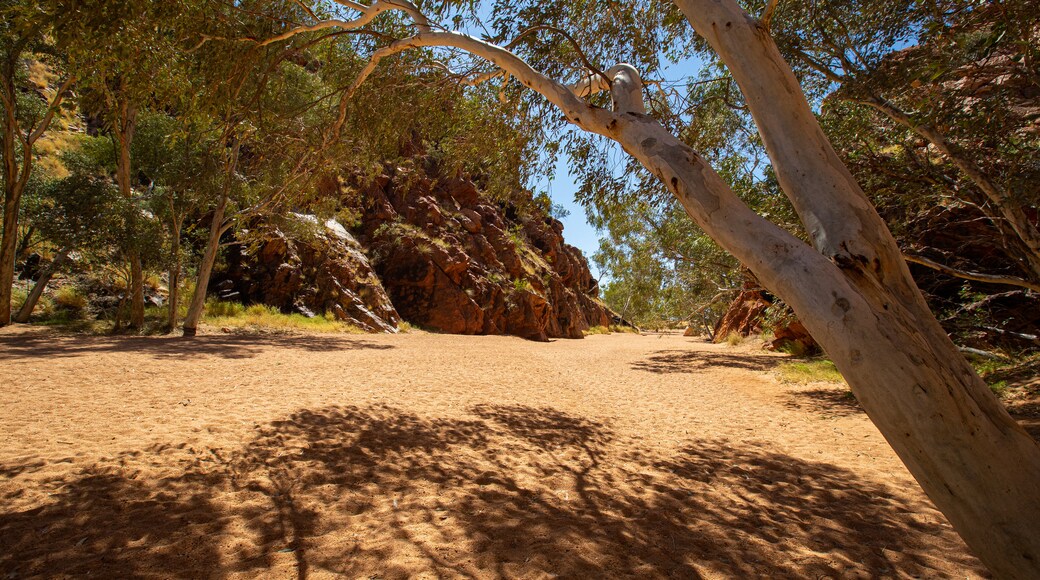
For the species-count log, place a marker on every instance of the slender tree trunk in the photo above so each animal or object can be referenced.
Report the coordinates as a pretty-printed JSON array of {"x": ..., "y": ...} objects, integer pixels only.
[
  {"x": 126, "y": 119},
  {"x": 7, "y": 251},
  {"x": 175, "y": 280},
  {"x": 209, "y": 257},
  {"x": 23, "y": 245},
  {"x": 41, "y": 284},
  {"x": 12, "y": 196},
  {"x": 136, "y": 291}
]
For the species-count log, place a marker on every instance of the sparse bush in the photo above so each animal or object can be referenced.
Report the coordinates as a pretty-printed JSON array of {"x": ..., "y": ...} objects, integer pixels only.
[
  {"x": 522, "y": 285},
  {"x": 1005, "y": 377},
  {"x": 793, "y": 348},
  {"x": 18, "y": 296},
  {"x": 495, "y": 278},
  {"x": 234, "y": 315},
  {"x": 734, "y": 339},
  {"x": 620, "y": 328},
  {"x": 218, "y": 308},
  {"x": 597, "y": 330},
  {"x": 517, "y": 236},
  {"x": 999, "y": 388},
  {"x": 70, "y": 298},
  {"x": 260, "y": 310}
]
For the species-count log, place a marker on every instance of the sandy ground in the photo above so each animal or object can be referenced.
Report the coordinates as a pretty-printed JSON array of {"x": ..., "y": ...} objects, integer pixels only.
[{"x": 435, "y": 456}]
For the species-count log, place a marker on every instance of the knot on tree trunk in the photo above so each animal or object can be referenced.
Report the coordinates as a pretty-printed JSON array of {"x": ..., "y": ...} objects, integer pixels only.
[{"x": 624, "y": 83}]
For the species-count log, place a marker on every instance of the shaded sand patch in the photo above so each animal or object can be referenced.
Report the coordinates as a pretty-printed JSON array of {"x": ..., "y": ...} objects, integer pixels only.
[{"x": 443, "y": 456}]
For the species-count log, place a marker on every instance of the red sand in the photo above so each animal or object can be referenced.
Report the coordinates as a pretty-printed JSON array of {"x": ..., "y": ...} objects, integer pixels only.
[{"x": 432, "y": 456}]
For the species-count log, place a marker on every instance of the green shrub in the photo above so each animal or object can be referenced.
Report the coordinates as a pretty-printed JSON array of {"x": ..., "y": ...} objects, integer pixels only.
[
  {"x": 818, "y": 370},
  {"x": 734, "y": 339},
  {"x": 18, "y": 296},
  {"x": 218, "y": 308},
  {"x": 620, "y": 328},
  {"x": 495, "y": 278},
  {"x": 793, "y": 348},
  {"x": 259, "y": 310}
]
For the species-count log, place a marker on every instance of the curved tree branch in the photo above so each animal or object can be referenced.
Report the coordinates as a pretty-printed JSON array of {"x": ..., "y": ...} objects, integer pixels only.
[
  {"x": 577, "y": 47},
  {"x": 968, "y": 275}
]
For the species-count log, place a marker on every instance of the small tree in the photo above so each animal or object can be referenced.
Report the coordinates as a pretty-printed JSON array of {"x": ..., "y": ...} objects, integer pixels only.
[
  {"x": 171, "y": 155},
  {"x": 80, "y": 212}
]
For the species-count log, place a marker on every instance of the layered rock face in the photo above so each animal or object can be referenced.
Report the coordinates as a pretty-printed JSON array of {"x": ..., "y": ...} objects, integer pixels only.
[
  {"x": 455, "y": 262},
  {"x": 437, "y": 252},
  {"x": 322, "y": 272}
]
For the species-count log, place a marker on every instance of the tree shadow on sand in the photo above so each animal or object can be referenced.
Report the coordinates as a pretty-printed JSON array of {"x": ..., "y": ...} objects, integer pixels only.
[
  {"x": 513, "y": 491},
  {"x": 685, "y": 361},
  {"x": 231, "y": 346},
  {"x": 105, "y": 522},
  {"x": 833, "y": 402}
]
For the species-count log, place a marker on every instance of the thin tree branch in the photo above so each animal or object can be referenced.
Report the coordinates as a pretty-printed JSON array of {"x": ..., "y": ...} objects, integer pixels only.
[
  {"x": 967, "y": 275},
  {"x": 767, "y": 14},
  {"x": 51, "y": 110},
  {"x": 577, "y": 47}
]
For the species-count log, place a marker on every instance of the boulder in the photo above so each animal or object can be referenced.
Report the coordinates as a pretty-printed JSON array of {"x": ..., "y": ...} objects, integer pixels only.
[
  {"x": 470, "y": 221},
  {"x": 319, "y": 274},
  {"x": 744, "y": 315},
  {"x": 794, "y": 337}
]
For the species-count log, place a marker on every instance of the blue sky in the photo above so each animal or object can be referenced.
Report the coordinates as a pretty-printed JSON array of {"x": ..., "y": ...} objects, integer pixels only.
[{"x": 576, "y": 229}]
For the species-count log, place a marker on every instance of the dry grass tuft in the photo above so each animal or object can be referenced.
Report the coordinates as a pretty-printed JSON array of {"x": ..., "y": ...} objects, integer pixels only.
[{"x": 262, "y": 317}]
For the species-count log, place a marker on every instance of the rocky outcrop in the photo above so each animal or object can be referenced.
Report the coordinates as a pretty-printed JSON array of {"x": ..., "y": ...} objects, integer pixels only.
[
  {"x": 793, "y": 337},
  {"x": 322, "y": 271},
  {"x": 744, "y": 315},
  {"x": 453, "y": 261},
  {"x": 434, "y": 252},
  {"x": 747, "y": 315}
]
